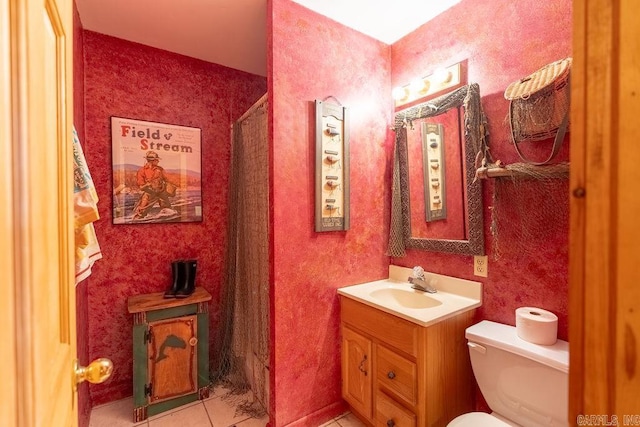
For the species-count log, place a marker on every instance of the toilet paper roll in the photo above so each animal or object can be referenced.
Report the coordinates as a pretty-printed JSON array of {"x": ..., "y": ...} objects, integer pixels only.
[{"x": 536, "y": 325}]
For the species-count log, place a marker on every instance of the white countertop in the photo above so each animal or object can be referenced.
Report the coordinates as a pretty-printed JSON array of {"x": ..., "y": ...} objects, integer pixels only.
[{"x": 454, "y": 296}]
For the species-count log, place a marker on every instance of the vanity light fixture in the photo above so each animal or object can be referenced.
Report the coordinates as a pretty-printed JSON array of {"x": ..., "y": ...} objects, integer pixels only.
[{"x": 436, "y": 83}]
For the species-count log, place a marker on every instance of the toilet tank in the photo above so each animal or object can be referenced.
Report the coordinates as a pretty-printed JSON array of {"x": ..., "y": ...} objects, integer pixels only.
[{"x": 523, "y": 382}]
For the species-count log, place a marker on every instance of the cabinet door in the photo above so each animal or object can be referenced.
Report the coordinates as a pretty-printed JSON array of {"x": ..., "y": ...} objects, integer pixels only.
[
  {"x": 173, "y": 361},
  {"x": 356, "y": 371}
]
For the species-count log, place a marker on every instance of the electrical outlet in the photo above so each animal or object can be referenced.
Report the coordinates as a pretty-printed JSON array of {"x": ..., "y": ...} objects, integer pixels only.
[{"x": 480, "y": 265}]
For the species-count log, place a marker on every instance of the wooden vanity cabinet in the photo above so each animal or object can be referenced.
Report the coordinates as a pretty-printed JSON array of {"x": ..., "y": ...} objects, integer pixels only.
[{"x": 396, "y": 373}]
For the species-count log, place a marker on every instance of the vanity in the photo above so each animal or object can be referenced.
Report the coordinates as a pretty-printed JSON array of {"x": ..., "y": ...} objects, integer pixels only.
[{"x": 404, "y": 355}]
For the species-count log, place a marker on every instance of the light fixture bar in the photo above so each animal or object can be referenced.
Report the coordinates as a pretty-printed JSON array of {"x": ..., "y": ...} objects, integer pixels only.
[{"x": 435, "y": 83}]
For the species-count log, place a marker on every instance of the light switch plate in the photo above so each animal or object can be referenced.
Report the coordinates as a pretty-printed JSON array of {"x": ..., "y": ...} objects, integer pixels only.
[{"x": 480, "y": 265}]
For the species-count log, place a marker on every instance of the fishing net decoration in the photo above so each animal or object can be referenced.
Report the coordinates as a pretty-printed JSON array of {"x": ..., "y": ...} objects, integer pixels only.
[
  {"x": 528, "y": 209},
  {"x": 241, "y": 357},
  {"x": 396, "y": 238},
  {"x": 530, "y": 204}
]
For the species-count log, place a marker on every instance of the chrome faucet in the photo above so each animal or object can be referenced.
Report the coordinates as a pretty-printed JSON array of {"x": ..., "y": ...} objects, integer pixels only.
[
  {"x": 422, "y": 285},
  {"x": 419, "y": 282}
]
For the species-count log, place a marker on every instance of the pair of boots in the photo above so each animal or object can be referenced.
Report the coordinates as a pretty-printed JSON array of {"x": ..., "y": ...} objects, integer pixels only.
[{"x": 184, "y": 279}]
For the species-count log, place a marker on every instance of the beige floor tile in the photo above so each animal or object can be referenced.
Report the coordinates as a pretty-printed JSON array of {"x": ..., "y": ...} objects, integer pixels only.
[
  {"x": 350, "y": 420},
  {"x": 254, "y": 422},
  {"x": 222, "y": 410},
  {"x": 179, "y": 408},
  {"x": 218, "y": 391},
  {"x": 217, "y": 411},
  {"x": 192, "y": 416},
  {"x": 333, "y": 422},
  {"x": 114, "y": 414}
]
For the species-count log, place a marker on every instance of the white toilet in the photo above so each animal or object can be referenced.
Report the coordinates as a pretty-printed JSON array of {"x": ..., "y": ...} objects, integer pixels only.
[{"x": 524, "y": 384}]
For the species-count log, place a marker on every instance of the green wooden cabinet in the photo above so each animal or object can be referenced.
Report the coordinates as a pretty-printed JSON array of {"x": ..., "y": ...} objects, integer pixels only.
[{"x": 170, "y": 351}]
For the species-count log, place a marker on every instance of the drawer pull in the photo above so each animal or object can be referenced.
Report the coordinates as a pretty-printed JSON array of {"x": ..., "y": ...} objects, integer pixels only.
[
  {"x": 390, "y": 423},
  {"x": 361, "y": 367},
  {"x": 391, "y": 375}
]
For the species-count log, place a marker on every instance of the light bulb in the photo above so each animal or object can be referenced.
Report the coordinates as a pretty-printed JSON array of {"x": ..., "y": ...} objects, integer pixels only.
[
  {"x": 400, "y": 93},
  {"x": 442, "y": 75},
  {"x": 419, "y": 86}
]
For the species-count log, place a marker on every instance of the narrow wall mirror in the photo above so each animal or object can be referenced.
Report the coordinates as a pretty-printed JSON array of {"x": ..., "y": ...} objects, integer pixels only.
[{"x": 437, "y": 144}]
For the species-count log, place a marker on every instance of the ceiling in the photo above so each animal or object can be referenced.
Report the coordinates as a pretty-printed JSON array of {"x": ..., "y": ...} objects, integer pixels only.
[{"x": 233, "y": 32}]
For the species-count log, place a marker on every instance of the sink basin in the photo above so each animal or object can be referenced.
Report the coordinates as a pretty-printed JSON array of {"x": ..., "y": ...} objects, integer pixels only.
[
  {"x": 405, "y": 298},
  {"x": 395, "y": 296}
]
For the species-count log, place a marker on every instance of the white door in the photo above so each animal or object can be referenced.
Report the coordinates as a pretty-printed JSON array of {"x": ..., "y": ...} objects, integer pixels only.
[{"x": 37, "y": 302}]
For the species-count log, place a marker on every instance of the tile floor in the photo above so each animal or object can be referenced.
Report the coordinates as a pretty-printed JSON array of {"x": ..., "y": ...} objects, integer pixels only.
[{"x": 216, "y": 411}]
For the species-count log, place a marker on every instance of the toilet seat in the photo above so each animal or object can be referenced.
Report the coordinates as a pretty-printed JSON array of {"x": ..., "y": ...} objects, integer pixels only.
[{"x": 478, "y": 419}]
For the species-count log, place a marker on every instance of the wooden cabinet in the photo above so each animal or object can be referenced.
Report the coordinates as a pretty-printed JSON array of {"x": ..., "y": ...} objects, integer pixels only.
[
  {"x": 170, "y": 351},
  {"x": 398, "y": 373},
  {"x": 356, "y": 371},
  {"x": 390, "y": 414}
]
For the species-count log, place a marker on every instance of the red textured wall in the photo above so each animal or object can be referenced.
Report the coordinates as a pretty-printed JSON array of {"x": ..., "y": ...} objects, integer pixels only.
[
  {"x": 130, "y": 80},
  {"x": 312, "y": 57},
  {"x": 503, "y": 41}
]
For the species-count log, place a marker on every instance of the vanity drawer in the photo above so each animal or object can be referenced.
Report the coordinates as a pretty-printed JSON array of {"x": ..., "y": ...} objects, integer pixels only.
[
  {"x": 397, "y": 374},
  {"x": 390, "y": 414},
  {"x": 385, "y": 327}
]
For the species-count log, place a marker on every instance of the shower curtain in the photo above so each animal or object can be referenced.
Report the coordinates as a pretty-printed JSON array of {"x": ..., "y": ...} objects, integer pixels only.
[{"x": 243, "y": 351}]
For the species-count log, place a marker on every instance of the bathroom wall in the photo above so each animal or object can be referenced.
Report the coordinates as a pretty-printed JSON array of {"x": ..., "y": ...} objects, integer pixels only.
[
  {"x": 503, "y": 41},
  {"x": 312, "y": 57},
  {"x": 130, "y": 80},
  {"x": 82, "y": 309}
]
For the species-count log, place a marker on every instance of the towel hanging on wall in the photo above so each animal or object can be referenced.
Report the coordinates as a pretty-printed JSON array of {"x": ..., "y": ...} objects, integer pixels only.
[{"x": 85, "y": 207}]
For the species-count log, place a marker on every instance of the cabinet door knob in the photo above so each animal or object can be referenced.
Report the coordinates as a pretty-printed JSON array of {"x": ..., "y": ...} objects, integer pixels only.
[
  {"x": 193, "y": 341},
  {"x": 390, "y": 423},
  {"x": 391, "y": 375}
]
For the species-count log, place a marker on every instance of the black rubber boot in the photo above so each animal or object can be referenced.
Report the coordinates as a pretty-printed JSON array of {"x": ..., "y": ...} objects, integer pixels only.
[
  {"x": 189, "y": 283},
  {"x": 178, "y": 270}
]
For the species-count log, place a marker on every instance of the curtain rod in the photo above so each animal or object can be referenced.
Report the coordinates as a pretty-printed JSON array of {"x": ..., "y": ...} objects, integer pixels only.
[{"x": 255, "y": 106}]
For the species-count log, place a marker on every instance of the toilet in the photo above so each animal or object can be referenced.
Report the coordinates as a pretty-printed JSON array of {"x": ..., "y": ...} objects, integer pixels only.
[{"x": 524, "y": 384}]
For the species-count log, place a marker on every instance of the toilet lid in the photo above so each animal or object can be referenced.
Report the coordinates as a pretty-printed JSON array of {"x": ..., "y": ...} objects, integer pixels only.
[{"x": 477, "y": 419}]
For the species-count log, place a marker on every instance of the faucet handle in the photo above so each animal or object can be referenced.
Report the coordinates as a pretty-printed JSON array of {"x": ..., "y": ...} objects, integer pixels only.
[{"x": 418, "y": 272}]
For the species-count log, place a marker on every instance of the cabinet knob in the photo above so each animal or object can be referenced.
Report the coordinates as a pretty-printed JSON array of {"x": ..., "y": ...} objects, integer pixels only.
[
  {"x": 390, "y": 423},
  {"x": 391, "y": 375},
  {"x": 193, "y": 341}
]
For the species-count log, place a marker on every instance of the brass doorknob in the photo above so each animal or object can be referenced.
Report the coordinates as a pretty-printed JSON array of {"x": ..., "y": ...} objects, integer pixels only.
[{"x": 97, "y": 372}]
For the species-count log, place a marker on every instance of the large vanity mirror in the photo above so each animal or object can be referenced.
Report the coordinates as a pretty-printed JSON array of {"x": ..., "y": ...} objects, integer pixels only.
[{"x": 437, "y": 143}]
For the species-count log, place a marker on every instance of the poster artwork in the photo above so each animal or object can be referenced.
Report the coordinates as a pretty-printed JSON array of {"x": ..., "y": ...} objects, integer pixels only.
[{"x": 156, "y": 172}]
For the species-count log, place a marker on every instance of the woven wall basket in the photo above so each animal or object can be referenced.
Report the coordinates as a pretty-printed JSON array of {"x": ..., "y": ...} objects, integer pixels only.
[{"x": 539, "y": 102}]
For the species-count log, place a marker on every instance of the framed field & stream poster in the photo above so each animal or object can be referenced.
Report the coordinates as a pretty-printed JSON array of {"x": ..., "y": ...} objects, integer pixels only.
[{"x": 156, "y": 172}]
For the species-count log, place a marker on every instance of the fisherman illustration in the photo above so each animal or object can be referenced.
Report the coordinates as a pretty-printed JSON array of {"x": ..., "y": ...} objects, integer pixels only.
[{"x": 155, "y": 185}]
